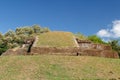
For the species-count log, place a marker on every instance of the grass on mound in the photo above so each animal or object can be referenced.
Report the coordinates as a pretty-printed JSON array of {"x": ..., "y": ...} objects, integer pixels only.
[
  {"x": 46, "y": 67},
  {"x": 56, "y": 39}
]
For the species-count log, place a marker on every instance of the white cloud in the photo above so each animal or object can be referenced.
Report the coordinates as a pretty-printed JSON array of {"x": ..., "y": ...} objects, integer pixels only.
[
  {"x": 104, "y": 33},
  {"x": 116, "y": 28},
  {"x": 114, "y": 32}
]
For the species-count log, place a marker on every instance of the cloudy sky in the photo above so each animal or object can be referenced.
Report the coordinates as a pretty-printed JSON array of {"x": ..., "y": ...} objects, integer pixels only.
[
  {"x": 101, "y": 17},
  {"x": 113, "y": 32}
]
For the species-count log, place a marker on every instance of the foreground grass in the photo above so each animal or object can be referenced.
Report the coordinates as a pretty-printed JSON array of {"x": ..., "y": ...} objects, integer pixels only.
[
  {"x": 46, "y": 67},
  {"x": 56, "y": 39}
]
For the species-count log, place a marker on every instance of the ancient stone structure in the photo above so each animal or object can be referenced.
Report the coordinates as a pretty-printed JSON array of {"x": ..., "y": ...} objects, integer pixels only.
[
  {"x": 86, "y": 44},
  {"x": 86, "y": 48},
  {"x": 91, "y": 49}
]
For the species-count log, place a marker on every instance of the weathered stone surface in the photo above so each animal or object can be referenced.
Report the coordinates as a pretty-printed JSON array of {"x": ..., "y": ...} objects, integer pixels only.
[
  {"x": 110, "y": 54},
  {"x": 74, "y": 52},
  {"x": 20, "y": 51},
  {"x": 54, "y": 50}
]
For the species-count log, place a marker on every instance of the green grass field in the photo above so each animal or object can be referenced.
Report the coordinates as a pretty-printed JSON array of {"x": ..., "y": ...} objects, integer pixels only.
[
  {"x": 46, "y": 67},
  {"x": 56, "y": 39}
]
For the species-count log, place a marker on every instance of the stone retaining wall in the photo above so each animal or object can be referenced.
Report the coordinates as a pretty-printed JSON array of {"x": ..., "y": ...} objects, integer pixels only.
[
  {"x": 54, "y": 50},
  {"x": 73, "y": 52}
]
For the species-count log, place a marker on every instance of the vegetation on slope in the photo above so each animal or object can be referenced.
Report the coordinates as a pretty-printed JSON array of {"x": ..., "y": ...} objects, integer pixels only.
[
  {"x": 12, "y": 39},
  {"x": 93, "y": 38},
  {"x": 58, "y": 68},
  {"x": 96, "y": 39},
  {"x": 56, "y": 39}
]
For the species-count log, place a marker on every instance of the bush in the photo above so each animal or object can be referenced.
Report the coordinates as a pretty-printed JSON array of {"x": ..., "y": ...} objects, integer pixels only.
[
  {"x": 115, "y": 45},
  {"x": 3, "y": 48},
  {"x": 96, "y": 39}
]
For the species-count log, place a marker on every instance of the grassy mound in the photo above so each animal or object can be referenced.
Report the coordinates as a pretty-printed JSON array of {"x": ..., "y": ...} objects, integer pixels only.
[
  {"x": 56, "y": 39},
  {"x": 58, "y": 68}
]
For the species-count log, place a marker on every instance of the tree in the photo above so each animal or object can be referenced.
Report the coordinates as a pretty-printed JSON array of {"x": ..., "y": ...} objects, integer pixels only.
[
  {"x": 115, "y": 45},
  {"x": 18, "y": 31},
  {"x": 44, "y": 30},
  {"x": 28, "y": 30},
  {"x": 24, "y": 30},
  {"x": 1, "y": 36},
  {"x": 3, "y": 47},
  {"x": 10, "y": 33},
  {"x": 36, "y": 28},
  {"x": 8, "y": 39}
]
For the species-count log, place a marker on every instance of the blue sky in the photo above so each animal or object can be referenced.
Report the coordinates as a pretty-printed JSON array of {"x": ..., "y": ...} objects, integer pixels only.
[{"x": 86, "y": 16}]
